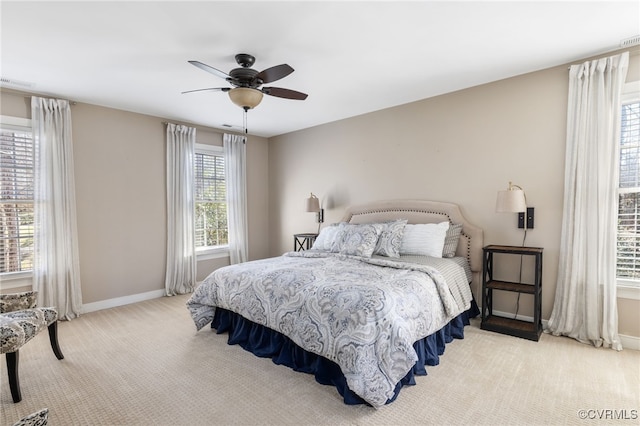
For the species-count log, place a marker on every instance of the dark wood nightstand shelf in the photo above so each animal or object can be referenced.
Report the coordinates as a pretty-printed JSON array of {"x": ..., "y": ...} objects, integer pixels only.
[
  {"x": 509, "y": 286},
  {"x": 514, "y": 327}
]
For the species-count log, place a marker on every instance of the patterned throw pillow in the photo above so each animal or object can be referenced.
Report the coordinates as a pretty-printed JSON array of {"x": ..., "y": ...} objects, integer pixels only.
[
  {"x": 357, "y": 239},
  {"x": 451, "y": 240},
  {"x": 324, "y": 241},
  {"x": 391, "y": 238},
  {"x": 424, "y": 239}
]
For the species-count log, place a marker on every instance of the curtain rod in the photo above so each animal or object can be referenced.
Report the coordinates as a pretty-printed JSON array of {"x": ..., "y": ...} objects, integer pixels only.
[
  {"x": 70, "y": 101},
  {"x": 633, "y": 51},
  {"x": 207, "y": 129}
]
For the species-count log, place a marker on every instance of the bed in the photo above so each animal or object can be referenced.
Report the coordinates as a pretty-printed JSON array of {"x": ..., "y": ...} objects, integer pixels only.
[{"x": 366, "y": 309}]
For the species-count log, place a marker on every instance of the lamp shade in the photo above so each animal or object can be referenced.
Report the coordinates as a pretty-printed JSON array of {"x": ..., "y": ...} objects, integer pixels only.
[
  {"x": 511, "y": 201},
  {"x": 245, "y": 97},
  {"x": 313, "y": 204}
]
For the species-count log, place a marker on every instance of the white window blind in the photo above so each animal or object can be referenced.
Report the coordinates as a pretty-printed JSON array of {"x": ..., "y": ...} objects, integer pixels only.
[
  {"x": 628, "y": 238},
  {"x": 211, "y": 200},
  {"x": 16, "y": 198}
]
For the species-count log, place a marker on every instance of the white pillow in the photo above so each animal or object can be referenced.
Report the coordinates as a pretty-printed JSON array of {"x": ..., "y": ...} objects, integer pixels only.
[{"x": 424, "y": 239}]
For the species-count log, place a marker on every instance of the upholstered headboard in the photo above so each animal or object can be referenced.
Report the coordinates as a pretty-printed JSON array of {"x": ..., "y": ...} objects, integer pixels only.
[{"x": 422, "y": 211}]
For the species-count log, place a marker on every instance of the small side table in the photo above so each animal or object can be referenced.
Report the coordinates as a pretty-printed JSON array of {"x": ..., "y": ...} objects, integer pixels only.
[
  {"x": 303, "y": 242},
  {"x": 513, "y": 327}
]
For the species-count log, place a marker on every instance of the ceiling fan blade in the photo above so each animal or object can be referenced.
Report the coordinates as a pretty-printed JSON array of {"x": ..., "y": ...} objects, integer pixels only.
[
  {"x": 274, "y": 73},
  {"x": 284, "y": 93},
  {"x": 222, "y": 89},
  {"x": 210, "y": 69}
]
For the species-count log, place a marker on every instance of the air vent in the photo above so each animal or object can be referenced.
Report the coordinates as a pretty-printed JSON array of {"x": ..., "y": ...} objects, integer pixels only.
[
  {"x": 628, "y": 42},
  {"x": 10, "y": 82}
]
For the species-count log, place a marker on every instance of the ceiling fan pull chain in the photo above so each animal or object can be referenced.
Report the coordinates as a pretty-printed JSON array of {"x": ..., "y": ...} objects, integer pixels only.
[{"x": 244, "y": 121}]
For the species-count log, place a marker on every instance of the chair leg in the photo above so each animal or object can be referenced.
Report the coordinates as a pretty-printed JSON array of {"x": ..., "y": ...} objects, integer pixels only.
[
  {"x": 53, "y": 338},
  {"x": 14, "y": 381}
]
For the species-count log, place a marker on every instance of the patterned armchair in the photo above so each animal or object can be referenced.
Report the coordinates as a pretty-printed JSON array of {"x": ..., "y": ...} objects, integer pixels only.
[{"x": 21, "y": 321}]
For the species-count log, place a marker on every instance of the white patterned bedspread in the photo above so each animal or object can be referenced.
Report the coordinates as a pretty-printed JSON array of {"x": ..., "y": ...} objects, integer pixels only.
[{"x": 362, "y": 313}]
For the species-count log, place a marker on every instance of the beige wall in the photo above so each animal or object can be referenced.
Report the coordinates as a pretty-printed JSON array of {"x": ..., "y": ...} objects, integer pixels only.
[
  {"x": 121, "y": 203},
  {"x": 461, "y": 147}
]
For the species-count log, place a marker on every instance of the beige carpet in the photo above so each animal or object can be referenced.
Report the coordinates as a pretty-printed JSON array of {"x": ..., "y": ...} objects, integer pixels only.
[{"x": 144, "y": 364}]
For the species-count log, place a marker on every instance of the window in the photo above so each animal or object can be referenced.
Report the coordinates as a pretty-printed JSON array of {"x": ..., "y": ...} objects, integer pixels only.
[
  {"x": 210, "y": 198},
  {"x": 16, "y": 196},
  {"x": 628, "y": 236}
]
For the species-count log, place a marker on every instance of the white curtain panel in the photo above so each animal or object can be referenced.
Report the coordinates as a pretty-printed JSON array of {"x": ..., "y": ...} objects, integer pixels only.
[
  {"x": 56, "y": 265},
  {"x": 180, "y": 276},
  {"x": 235, "y": 174},
  {"x": 585, "y": 305}
]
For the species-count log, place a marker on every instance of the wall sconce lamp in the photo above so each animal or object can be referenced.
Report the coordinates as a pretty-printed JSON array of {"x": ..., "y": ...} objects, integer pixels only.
[
  {"x": 513, "y": 200},
  {"x": 313, "y": 205}
]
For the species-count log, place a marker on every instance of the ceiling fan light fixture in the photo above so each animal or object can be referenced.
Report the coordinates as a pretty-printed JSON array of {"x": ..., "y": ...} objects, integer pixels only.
[{"x": 245, "y": 97}]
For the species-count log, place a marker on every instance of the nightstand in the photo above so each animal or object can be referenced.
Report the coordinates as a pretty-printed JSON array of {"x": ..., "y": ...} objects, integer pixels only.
[
  {"x": 513, "y": 327},
  {"x": 303, "y": 241}
]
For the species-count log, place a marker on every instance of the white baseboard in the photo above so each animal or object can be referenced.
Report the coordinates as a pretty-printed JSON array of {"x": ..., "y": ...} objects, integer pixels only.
[
  {"x": 125, "y": 300},
  {"x": 630, "y": 342},
  {"x": 121, "y": 301}
]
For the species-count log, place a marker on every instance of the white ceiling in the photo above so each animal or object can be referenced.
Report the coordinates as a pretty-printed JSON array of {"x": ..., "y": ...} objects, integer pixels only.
[{"x": 350, "y": 57}]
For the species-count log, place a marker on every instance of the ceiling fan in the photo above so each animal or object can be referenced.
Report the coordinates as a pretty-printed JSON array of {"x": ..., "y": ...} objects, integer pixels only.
[{"x": 247, "y": 91}]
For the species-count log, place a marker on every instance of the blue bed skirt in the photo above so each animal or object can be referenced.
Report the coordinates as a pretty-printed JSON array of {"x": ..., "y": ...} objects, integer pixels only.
[{"x": 267, "y": 343}]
